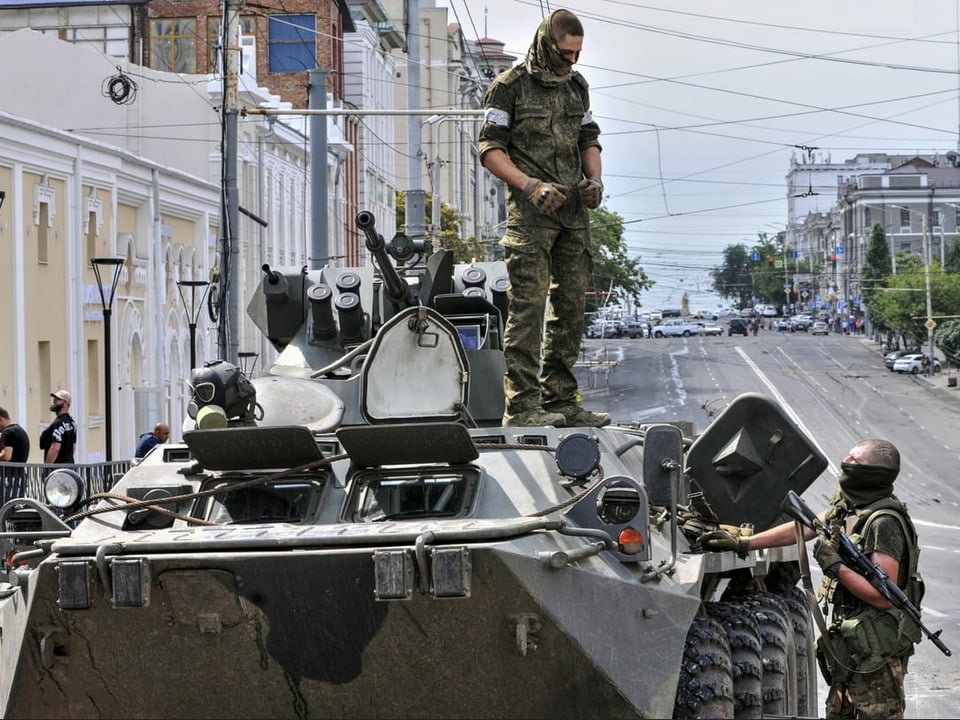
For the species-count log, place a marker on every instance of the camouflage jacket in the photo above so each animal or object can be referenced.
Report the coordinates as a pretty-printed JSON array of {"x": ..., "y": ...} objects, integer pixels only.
[{"x": 544, "y": 128}]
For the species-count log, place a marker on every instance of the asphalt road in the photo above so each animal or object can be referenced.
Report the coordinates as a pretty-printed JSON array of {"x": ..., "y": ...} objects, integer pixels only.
[{"x": 837, "y": 389}]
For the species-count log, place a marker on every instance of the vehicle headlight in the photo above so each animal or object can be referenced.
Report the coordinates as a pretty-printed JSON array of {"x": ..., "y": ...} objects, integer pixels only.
[{"x": 63, "y": 488}]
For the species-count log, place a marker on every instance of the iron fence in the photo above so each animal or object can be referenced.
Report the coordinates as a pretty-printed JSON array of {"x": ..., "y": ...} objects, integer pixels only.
[{"x": 19, "y": 480}]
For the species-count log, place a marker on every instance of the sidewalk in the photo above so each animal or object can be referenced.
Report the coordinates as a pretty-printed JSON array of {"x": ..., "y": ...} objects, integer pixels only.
[{"x": 938, "y": 383}]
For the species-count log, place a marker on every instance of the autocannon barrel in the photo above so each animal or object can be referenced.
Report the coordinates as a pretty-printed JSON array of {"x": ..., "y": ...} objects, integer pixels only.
[{"x": 394, "y": 285}]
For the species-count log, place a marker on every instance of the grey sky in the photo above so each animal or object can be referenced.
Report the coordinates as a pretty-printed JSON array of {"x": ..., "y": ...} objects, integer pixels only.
[{"x": 702, "y": 103}]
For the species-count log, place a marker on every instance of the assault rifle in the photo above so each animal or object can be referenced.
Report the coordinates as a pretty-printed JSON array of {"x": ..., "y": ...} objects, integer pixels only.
[{"x": 854, "y": 559}]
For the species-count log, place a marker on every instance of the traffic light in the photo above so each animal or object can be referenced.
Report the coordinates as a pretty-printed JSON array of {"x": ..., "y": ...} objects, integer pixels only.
[{"x": 770, "y": 260}]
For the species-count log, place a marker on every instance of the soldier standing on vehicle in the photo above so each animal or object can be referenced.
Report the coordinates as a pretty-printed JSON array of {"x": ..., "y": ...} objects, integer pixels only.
[
  {"x": 540, "y": 138},
  {"x": 870, "y": 640}
]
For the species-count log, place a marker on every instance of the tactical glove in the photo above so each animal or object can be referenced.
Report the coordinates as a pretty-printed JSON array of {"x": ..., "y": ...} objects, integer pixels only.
[
  {"x": 721, "y": 540},
  {"x": 826, "y": 554},
  {"x": 543, "y": 196},
  {"x": 591, "y": 190}
]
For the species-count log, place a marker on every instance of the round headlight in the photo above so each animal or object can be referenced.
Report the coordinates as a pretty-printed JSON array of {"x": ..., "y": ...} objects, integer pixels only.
[{"x": 63, "y": 488}]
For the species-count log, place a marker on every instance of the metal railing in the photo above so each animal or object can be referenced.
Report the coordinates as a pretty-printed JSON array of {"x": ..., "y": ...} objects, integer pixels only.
[{"x": 19, "y": 480}]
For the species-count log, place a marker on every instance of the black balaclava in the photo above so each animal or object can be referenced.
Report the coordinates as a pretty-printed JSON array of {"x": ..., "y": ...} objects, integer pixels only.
[
  {"x": 863, "y": 484},
  {"x": 544, "y": 60}
]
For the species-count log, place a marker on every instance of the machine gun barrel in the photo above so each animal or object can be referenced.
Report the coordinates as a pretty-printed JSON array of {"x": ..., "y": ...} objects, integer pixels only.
[
  {"x": 394, "y": 285},
  {"x": 854, "y": 558}
]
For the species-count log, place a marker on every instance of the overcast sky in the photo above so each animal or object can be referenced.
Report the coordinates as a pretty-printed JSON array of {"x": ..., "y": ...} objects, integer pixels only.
[{"x": 702, "y": 103}]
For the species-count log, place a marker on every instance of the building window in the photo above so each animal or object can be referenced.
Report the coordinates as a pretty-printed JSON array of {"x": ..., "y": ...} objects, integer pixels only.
[
  {"x": 43, "y": 253},
  {"x": 904, "y": 219},
  {"x": 938, "y": 218},
  {"x": 248, "y": 26},
  {"x": 173, "y": 45},
  {"x": 293, "y": 43},
  {"x": 866, "y": 217}
]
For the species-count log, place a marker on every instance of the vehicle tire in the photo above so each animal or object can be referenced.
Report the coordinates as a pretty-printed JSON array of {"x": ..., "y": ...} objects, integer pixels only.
[
  {"x": 743, "y": 635},
  {"x": 803, "y": 635},
  {"x": 705, "y": 688},
  {"x": 686, "y": 333},
  {"x": 779, "y": 655},
  {"x": 914, "y": 370},
  {"x": 658, "y": 334}
]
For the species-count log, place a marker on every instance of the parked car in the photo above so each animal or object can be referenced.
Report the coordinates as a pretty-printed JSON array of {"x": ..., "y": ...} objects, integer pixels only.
[
  {"x": 783, "y": 325},
  {"x": 801, "y": 322},
  {"x": 706, "y": 315},
  {"x": 891, "y": 357},
  {"x": 738, "y": 326},
  {"x": 915, "y": 363},
  {"x": 709, "y": 328},
  {"x": 674, "y": 327},
  {"x": 819, "y": 328},
  {"x": 636, "y": 329}
]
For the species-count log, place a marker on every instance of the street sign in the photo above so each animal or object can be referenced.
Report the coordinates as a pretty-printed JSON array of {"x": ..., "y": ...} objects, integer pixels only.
[
  {"x": 931, "y": 324},
  {"x": 755, "y": 256},
  {"x": 839, "y": 249}
]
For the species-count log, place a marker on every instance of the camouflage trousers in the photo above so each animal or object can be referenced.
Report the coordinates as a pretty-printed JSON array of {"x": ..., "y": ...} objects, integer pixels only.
[
  {"x": 871, "y": 695},
  {"x": 549, "y": 270}
]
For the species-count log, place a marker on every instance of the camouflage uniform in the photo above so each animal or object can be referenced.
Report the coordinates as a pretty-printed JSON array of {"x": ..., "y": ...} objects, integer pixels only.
[
  {"x": 543, "y": 122},
  {"x": 873, "y": 645}
]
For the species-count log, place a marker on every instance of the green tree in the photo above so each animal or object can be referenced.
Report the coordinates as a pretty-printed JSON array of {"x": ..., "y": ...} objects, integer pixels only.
[
  {"x": 732, "y": 280},
  {"x": 876, "y": 266},
  {"x": 902, "y": 307},
  {"x": 951, "y": 258},
  {"x": 613, "y": 269},
  {"x": 947, "y": 338},
  {"x": 742, "y": 278},
  {"x": 464, "y": 250}
]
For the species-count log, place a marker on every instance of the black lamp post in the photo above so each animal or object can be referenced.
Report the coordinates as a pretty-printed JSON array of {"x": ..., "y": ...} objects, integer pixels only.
[
  {"x": 193, "y": 309},
  {"x": 101, "y": 267},
  {"x": 246, "y": 366}
]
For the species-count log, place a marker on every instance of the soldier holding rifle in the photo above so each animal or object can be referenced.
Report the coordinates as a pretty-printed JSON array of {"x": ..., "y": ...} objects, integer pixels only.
[{"x": 870, "y": 638}]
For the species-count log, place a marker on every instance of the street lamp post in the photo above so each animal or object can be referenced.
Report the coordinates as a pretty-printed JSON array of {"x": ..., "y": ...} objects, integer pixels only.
[
  {"x": 102, "y": 266},
  {"x": 193, "y": 309}
]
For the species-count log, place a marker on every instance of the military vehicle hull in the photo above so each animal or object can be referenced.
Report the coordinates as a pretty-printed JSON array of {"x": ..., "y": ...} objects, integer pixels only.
[{"x": 354, "y": 535}]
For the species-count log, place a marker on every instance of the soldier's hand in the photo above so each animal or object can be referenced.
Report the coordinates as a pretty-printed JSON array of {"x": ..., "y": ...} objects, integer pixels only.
[
  {"x": 721, "y": 541},
  {"x": 826, "y": 554},
  {"x": 544, "y": 196},
  {"x": 591, "y": 190}
]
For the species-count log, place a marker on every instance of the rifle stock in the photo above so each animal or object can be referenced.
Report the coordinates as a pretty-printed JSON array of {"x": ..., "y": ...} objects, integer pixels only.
[{"x": 853, "y": 557}]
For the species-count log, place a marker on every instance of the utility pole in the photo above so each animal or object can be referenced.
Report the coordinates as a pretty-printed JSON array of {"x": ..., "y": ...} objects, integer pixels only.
[
  {"x": 416, "y": 203},
  {"x": 931, "y": 323},
  {"x": 319, "y": 242},
  {"x": 230, "y": 215}
]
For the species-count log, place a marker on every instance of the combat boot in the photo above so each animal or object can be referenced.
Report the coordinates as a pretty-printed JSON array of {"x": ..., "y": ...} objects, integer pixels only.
[
  {"x": 576, "y": 416},
  {"x": 533, "y": 417}
]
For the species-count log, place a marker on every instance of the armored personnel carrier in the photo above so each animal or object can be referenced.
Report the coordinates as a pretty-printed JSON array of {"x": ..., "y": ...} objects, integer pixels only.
[{"x": 353, "y": 534}]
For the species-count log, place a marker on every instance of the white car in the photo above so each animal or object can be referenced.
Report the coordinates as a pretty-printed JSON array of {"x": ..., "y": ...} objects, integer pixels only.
[
  {"x": 819, "y": 328},
  {"x": 709, "y": 328},
  {"x": 914, "y": 363}
]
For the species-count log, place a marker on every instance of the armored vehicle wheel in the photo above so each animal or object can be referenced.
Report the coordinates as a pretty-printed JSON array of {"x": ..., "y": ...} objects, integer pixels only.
[
  {"x": 799, "y": 615},
  {"x": 779, "y": 655},
  {"x": 743, "y": 634},
  {"x": 705, "y": 689}
]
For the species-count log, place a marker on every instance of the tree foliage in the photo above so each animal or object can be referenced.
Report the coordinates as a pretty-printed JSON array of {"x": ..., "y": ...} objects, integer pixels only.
[
  {"x": 876, "y": 266},
  {"x": 464, "y": 250},
  {"x": 902, "y": 306},
  {"x": 612, "y": 267},
  {"x": 741, "y": 279}
]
